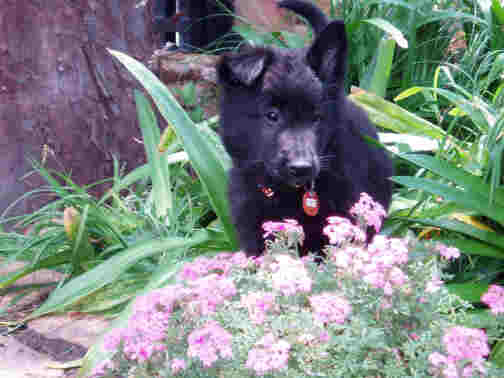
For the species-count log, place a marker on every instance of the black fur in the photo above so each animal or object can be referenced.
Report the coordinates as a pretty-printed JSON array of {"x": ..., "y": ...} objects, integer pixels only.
[
  {"x": 210, "y": 23},
  {"x": 286, "y": 122}
]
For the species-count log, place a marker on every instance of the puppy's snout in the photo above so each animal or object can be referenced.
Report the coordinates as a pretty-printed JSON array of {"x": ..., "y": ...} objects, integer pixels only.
[{"x": 301, "y": 170}]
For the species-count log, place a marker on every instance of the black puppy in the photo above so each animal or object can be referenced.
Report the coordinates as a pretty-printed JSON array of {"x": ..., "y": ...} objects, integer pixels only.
[{"x": 294, "y": 138}]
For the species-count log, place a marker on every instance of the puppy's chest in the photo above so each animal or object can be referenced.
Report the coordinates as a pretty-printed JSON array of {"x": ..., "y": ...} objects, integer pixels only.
[{"x": 298, "y": 204}]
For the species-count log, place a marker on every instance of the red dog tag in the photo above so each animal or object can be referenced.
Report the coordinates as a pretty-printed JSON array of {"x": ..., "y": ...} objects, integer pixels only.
[{"x": 311, "y": 203}]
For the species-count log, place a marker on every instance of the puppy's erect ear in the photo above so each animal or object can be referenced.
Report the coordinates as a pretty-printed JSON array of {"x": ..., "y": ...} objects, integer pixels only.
[
  {"x": 328, "y": 54},
  {"x": 243, "y": 68}
]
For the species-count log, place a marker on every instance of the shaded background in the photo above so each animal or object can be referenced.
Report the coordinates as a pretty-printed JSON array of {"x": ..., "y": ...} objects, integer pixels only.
[{"x": 62, "y": 96}]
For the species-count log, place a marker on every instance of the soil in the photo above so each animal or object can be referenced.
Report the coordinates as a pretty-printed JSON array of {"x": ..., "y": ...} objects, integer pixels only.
[{"x": 28, "y": 349}]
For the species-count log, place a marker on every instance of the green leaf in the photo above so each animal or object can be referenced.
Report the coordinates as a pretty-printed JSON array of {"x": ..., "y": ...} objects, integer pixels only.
[
  {"x": 50, "y": 262},
  {"x": 465, "y": 198},
  {"x": 205, "y": 158},
  {"x": 407, "y": 93},
  {"x": 463, "y": 228},
  {"x": 160, "y": 278},
  {"x": 390, "y": 29},
  {"x": 378, "y": 75},
  {"x": 458, "y": 176},
  {"x": 479, "y": 319},
  {"x": 392, "y": 117},
  {"x": 469, "y": 291},
  {"x": 159, "y": 171},
  {"x": 109, "y": 271},
  {"x": 414, "y": 142},
  {"x": 474, "y": 247},
  {"x": 498, "y": 11},
  {"x": 497, "y": 354},
  {"x": 479, "y": 112}
]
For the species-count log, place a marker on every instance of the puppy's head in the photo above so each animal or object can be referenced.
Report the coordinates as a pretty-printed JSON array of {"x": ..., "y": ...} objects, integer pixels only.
[{"x": 272, "y": 105}]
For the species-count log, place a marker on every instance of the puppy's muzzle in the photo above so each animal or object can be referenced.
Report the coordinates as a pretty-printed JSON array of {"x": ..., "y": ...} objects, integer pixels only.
[{"x": 301, "y": 171}]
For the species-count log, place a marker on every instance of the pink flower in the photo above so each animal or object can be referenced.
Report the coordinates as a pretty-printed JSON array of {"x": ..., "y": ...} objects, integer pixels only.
[
  {"x": 290, "y": 275},
  {"x": 340, "y": 230},
  {"x": 268, "y": 355},
  {"x": 147, "y": 326},
  {"x": 258, "y": 304},
  {"x": 288, "y": 226},
  {"x": 102, "y": 368},
  {"x": 207, "y": 342},
  {"x": 388, "y": 251},
  {"x": 494, "y": 298},
  {"x": 414, "y": 336},
  {"x": 177, "y": 365},
  {"x": 351, "y": 259},
  {"x": 220, "y": 264},
  {"x": 378, "y": 265},
  {"x": 433, "y": 285},
  {"x": 448, "y": 252},
  {"x": 205, "y": 294},
  {"x": 330, "y": 308},
  {"x": 324, "y": 336},
  {"x": 437, "y": 359},
  {"x": 369, "y": 212},
  {"x": 462, "y": 344},
  {"x": 465, "y": 343}
]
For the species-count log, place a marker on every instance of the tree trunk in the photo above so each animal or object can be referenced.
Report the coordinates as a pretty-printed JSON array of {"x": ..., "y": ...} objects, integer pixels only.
[{"x": 63, "y": 98}]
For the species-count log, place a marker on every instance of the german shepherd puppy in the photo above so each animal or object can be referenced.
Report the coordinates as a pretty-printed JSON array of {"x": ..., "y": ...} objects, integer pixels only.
[{"x": 295, "y": 140}]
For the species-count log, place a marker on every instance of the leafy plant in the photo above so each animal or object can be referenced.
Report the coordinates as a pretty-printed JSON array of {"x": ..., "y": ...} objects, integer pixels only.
[
  {"x": 490, "y": 14},
  {"x": 190, "y": 101},
  {"x": 427, "y": 25},
  {"x": 356, "y": 315},
  {"x": 206, "y": 157},
  {"x": 100, "y": 241}
]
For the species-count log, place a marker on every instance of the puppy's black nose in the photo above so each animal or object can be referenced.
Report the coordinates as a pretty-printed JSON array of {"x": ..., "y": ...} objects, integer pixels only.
[{"x": 301, "y": 170}]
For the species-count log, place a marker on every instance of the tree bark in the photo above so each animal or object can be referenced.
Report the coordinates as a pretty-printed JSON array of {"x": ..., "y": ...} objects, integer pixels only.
[{"x": 63, "y": 98}]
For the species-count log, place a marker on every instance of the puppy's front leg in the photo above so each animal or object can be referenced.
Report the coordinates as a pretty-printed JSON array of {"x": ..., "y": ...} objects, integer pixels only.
[{"x": 248, "y": 217}]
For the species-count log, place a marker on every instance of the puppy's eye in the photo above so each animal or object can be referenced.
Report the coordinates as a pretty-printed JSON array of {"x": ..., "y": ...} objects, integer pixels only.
[{"x": 273, "y": 116}]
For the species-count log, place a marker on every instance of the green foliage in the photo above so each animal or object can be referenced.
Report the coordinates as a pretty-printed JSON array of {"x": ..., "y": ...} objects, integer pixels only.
[
  {"x": 385, "y": 335},
  {"x": 491, "y": 20},
  {"x": 207, "y": 160},
  {"x": 104, "y": 243},
  {"x": 190, "y": 101},
  {"x": 427, "y": 25}
]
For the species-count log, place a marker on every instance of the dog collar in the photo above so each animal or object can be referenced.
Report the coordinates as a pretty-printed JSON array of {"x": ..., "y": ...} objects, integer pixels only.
[{"x": 310, "y": 200}]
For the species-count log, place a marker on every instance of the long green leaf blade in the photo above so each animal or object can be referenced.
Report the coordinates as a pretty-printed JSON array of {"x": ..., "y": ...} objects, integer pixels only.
[
  {"x": 204, "y": 157},
  {"x": 159, "y": 171},
  {"x": 392, "y": 117},
  {"x": 110, "y": 270},
  {"x": 469, "y": 200},
  {"x": 457, "y": 175}
]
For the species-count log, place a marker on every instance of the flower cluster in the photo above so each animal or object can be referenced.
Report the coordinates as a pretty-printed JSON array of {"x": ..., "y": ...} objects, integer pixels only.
[
  {"x": 449, "y": 253},
  {"x": 289, "y": 275},
  {"x": 379, "y": 265},
  {"x": 220, "y": 264},
  {"x": 368, "y": 212},
  {"x": 465, "y": 348},
  {"x": 145, "y": 331},
  {"x": 258, "y": 304},
  {"x": 207, "y": 286},
  {"x": 280, "y": 315},
  {"x": 289, "y": 229},
  {"x": 340, "y": 230},
  {"x": 206, "y": 294},
  {"x": 209, "y": 341},
  {"x": 494, "y": 298},
  {"x": 268, "y": 355},
  {"x": 330, "y": 308}
]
